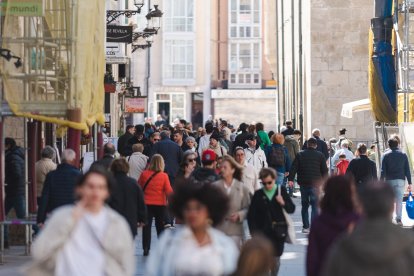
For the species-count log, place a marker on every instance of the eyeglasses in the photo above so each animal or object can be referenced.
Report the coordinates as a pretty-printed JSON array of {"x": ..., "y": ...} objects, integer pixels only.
[{"x": 268, "y": 183}]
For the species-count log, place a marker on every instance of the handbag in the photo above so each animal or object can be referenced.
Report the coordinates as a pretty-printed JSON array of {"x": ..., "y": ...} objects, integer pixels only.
[
  {"x": 279, "y": 229},
  {"x": 409, "y": 206},
  {"x": 291, "y": 233}
]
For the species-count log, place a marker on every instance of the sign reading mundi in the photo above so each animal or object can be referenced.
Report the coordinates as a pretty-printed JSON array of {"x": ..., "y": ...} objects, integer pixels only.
[
  {"x": 22, "y": 8},
  {"x": 120, "y": 34}
]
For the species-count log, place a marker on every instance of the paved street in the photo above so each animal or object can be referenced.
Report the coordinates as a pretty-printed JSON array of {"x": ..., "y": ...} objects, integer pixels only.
[{"x": 293, "y": 260}]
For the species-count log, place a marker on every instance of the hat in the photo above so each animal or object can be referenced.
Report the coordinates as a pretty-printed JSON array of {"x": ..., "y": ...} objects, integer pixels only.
[
  {"x": 250, "y": 137},
  {"x": 215, "y": 136},
  {"x": 342, "y": 131},
  {"x": 209, "y": 155},
  {"x": 139, "y": 129}
]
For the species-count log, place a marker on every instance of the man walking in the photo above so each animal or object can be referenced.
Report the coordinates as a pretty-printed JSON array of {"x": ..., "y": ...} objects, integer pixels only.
[
  {"x": 109, "y": 156},
  {"x": 310, "y": 166},
  {"x": 321, "y": 145},
  {"x": 124, "y": 138},
  {"x": 14, "y": 182},
  {"x": 395, "y": 169},
  {"x": 59, "y": 187},
  {"x": 154, "y": 138},
  {"x": 362, "y": 168}
]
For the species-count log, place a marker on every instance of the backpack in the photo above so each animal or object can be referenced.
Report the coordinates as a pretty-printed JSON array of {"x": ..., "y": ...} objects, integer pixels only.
[{"x": 277, "y": 157}]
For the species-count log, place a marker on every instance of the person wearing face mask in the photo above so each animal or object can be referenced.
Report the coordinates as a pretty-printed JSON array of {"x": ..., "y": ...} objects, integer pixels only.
[
  {"x": 255, "y": 156},
  {"x": 231, "y": 183}
]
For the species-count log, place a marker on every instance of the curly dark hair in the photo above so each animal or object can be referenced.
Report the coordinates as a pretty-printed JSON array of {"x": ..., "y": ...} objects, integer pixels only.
[{"x": 208, "y": 194}]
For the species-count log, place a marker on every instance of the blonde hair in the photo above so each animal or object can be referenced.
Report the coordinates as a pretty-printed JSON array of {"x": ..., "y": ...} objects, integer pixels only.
[
  {"x": 238, "y": 170},
  {"x": 157, "y": 163},
  {"x": 138, "y": 148},
  {"x": 278, "y": 138}
]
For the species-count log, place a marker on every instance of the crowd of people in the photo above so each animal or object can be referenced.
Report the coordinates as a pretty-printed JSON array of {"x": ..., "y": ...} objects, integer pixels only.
[{"x": 221, "y": 199}]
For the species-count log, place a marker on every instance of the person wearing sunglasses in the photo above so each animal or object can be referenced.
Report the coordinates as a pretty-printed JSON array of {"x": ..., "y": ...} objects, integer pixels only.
[
  {"x": 187, "y": 166},
  {"x": 266, "y": 216}
]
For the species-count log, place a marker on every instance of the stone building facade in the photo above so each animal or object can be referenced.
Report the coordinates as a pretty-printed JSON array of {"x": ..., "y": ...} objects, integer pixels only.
[{"x": 334, "y": 55}]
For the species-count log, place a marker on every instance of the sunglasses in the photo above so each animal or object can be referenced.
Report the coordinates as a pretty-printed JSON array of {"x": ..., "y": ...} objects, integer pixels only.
[
  {"x": 156, "y": 140},
  {"x": 268, "y": 183},
  {"x": 191, "y": 160}
]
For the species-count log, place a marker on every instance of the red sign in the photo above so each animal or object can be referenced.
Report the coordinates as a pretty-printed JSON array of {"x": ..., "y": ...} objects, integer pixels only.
[{"x": 135, "y": 105}]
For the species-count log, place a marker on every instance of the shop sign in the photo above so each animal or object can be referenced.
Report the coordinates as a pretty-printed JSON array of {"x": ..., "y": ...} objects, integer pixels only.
[
  {"x": 22, "y": 8},
  {"x": 135, "y": 105},
  {"x": 119, "y": 34}
]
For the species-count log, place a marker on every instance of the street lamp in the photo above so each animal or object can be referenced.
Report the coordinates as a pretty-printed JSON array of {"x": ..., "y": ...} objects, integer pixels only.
[
  {"x": 112, "y": 15},
  {"x": 154, "y": 19}
]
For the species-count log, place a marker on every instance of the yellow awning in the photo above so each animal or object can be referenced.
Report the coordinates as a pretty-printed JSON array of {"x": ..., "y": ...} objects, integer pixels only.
[{"x": 349, "y": 108}]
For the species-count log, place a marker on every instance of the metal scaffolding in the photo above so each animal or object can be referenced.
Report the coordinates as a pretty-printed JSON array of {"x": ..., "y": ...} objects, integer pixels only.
[{"x": 45, "y": 45}]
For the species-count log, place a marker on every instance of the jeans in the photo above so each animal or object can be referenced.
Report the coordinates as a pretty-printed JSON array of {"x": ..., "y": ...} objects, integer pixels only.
[
  {"x": 280, "y": 179},
  {"x": 308, "y": 197},
  {"x": 157, "y": 212},
  {"x": 398, "y": 185},
  {"x": 18, "y": 203}
]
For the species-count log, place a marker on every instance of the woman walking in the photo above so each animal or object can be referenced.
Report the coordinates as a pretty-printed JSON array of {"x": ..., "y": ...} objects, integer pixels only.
[
  {"x": 187, "y": 166},
  {"x": 196, "y": 248},
  {"x": 232, "y": 173},
  {"x": 86, "y": 239},
  {"x": 338, "y": 216},
  {"x": 266, "y": 215},
  {"x": 156, "y": 186}
]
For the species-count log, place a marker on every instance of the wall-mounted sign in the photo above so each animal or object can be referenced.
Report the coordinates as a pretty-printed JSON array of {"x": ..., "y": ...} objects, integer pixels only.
[
  {"x": 22, "y": 8},
  {"x": 120, "y": 34},
  {"x": 135, "y": 105}
]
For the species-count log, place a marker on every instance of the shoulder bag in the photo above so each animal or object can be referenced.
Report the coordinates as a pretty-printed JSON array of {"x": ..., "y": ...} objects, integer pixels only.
[{"x": 149, "y": 180}]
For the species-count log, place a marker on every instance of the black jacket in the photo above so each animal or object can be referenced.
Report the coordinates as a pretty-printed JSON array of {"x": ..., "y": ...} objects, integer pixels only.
[
  {"x": 310, "y": 165},
  {"x": 134, "y": 140},
  {"x": 240, "y": 140},
  {"x": 262, "y": 212},
  {"x": 288, "y": 131},
  {"x": 322, "y": 147},
  {"x": 395, "y": 165},
  {"x": 14, "y": 172},
  {"x": 172, "y": 154},
  {"x": 123, "y": 142},
  {"x": 58, "y": 190},
  {"x": 362, "y": 169},
  {"x": 105, "y": 162},
  {"x": 204, "y": 174},
  {"x": 128, "y": 200}
]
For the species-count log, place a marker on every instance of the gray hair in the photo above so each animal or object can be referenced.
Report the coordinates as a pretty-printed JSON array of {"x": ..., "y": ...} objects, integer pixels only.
[
  {"x": 48, "y": 152},
  {"x": 68, "y": 156},
  {"x": 316, "y": 131},
  {"x": 345, "y": 145},
  {"x": 190, "y": 138}
]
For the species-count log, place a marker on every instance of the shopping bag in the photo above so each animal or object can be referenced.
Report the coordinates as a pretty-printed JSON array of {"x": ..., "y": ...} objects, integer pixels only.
[
  {"x": 409, "y": 206},
  {"x": 291, "y": 235}
]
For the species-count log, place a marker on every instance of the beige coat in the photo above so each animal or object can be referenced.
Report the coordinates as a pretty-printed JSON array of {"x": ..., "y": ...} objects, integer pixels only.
[
  {"x": 42, "y": 168},
  {"x": 117, "y": 243},
  {"x": 239, "y": 203}
]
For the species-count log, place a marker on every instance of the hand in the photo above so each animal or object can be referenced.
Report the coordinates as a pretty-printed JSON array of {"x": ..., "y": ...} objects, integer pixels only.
[
  {"x": 280, "y": 200},
  {"x": 234, "y": 217},
  {"x": 286, "y": 174},
  {"x": 78, "y": 210},
  {"x": 140, "y": 224},
  {"x": 291, "y": 184},
  {"x": 409, "y": 188}
]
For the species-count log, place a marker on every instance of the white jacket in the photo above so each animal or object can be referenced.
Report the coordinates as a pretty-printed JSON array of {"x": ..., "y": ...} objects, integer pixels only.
[
  {"x": 250, "y": 179},
  {"x": 161, "y": 261},
  {"x": 118, "y": 245},
  {"x": 256, "y": 158},
  {"x": 137, "y": 164},
  {"x": 203, "y": 144}
]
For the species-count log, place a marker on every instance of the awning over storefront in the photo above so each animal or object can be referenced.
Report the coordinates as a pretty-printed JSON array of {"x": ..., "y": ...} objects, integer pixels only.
[{"x": 349, "y": 108}]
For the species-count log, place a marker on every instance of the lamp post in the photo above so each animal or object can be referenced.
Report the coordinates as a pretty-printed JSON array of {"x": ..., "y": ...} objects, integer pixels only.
[
  {"x": 154, "y": 19},
  {"x": 112, "y": 15}
]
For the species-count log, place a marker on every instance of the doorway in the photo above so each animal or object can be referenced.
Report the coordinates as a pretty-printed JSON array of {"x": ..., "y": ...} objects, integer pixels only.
[{"x": 164, "y": 110}]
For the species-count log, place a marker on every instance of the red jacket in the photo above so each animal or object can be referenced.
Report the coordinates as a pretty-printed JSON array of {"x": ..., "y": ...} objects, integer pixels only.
[
  {"x": 342, "y": 166},
  {"x": 157, "y": 189}
]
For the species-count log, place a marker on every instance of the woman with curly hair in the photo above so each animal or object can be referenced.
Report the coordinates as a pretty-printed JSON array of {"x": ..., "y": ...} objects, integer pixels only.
[{"x": 196, "y": 248}]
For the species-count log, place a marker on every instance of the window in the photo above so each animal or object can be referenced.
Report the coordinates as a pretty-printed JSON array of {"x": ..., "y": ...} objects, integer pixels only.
[
  {"x": 178, "y": 59},
  {"x": 244, "y": 56},
  {"x": 245, "y": 11},
  {"x": 179, "y": 15}
]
